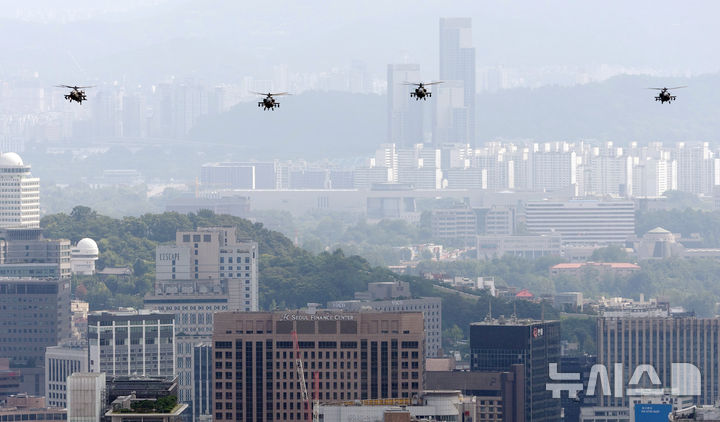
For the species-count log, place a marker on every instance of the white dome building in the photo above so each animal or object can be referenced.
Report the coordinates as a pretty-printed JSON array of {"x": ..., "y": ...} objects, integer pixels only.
[
  {"x": 83, "y": 257},
  {"x": 20, "y": 196}
]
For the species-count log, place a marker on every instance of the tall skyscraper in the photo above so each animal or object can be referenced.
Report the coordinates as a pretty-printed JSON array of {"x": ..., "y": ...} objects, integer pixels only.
[
  {"x": 405, "y": 116},
  {"x": 455, "y": 100},
  {"x": 20, "y": 196},
  {"x": 497, "y": 345}
]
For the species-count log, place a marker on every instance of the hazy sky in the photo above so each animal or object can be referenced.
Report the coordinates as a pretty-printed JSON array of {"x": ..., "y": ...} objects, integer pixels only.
[{"x": 221, "y": 40}]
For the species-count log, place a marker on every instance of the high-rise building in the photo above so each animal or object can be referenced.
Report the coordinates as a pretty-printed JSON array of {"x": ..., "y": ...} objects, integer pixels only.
[
  {"x": 497, "y": 345},
  {"x": 351, "y": 356},
  {"x": 204, "y": 272},
  {"x": 459, "y": 224},
  {"x": 20, "y": 196},
  {"x": 60, "y": 362},
  {"x": 131, "y": 342},
  {"x": 35, "y": 315},
  {"x": 209, "y": 260},
  {"x": 632, "y": 338},
  {"x": 587, "y": 222},
  {"x": 405, "y": 119},
  {"x": 455, "y": 98}
]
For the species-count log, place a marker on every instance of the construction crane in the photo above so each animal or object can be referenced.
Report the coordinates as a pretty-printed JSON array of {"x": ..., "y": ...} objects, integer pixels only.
[{"x": 301, "y": 376}]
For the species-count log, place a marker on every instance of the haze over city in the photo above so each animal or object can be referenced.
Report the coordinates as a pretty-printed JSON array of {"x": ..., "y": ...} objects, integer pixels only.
[{"x": 376, "y": 211}]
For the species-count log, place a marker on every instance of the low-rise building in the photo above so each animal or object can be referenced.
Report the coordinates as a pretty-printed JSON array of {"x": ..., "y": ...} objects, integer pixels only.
[
  {"x": 23, "y": 407},
  {"x": 593, "y": 269},
  {"x": 495, "y": 246},
  {"x": 132, "y": 409}
]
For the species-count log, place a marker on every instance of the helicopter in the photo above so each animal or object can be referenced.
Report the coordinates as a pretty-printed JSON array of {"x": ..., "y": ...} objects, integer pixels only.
[
  {"x": 77, "y": 94},
  {"x": 664, "y": 95},
  {"x": 269, "y": 103},
  {"x": 421, "y": 92}
]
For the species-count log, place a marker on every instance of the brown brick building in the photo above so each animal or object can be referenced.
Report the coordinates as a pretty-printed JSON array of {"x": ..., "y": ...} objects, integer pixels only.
[{"x": 353, "y": 356}]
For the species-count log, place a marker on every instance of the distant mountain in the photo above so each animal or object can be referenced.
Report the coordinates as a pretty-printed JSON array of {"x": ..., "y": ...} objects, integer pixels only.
[{"x": 619, "y": 109}]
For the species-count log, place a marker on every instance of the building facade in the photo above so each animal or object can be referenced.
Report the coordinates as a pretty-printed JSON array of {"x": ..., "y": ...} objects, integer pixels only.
[
  {"x": 497, "y": 345},
  {"x": 35, "y": 315},
  {"x": 132, "y": 343},
  {"x": 660, "y": 341},
  {"x": 350, "y": 356},
  {"x": 583, "y": 221},
  {"x": 86, "y": 396},
  {"x": 20, "y": 196},
  {"x": 61, "y": 362}
]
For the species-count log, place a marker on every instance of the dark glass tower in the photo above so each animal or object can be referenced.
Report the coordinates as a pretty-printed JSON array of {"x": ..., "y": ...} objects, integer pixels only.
[{"x": 496, "y": 345}]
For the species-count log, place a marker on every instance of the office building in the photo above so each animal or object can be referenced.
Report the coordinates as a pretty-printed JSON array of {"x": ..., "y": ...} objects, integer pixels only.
[
  {"x": 24, "y": 407},
  {"x": 26, "y": 330},
  {"x": 405, "y": 119},
  {"x": 26, "y": 253},
  {"x": 497, "y": 345},
  {"x": 208, "y": 260},
  {"x": 583, "y": 221},
  {"x": 633, "y": 338},
  {"x": 454, "y": 224},
  {"x": 60, "y": 362},
  {"x": 396, "y": 297},
  {"x": 130, "y": 342},
  {"x": 455, "y": 99},
  {"x": 351, "y": 356},
  {"x": 205, "y": 272},
  {"x": 20, "y": 198},
  {"x": 86, "y": 396},
  {"x": 83, "y": 257}
]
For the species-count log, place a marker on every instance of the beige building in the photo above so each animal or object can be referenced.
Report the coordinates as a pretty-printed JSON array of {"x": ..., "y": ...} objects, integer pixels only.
[
  {"x": 23, "y": 407},
  {"x": 350, "y": 356}
]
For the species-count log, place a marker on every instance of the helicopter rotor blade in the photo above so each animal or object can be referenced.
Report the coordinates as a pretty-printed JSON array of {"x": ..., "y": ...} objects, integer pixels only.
[
  {"x": 433, "y": 83},
  {"x": 280, "y": 93},
  {"x": 678, "y": 87},
  {"x": 659, "y": 89},
  {"x": 411, "y": 83}
]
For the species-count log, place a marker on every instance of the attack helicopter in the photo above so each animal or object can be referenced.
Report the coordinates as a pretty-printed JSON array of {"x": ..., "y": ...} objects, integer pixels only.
[
  {"x": 77, "y": 94},
  {"x": 664, "y": 96},
  {"x": 420, "y": 91},
  {"x": 269, "y": 103}
]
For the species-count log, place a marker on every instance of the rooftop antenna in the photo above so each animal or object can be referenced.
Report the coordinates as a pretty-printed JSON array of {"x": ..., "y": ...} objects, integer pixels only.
[
  {"x": 542, "y": 311},
  {"x": 514, "y": 317},
  {"x": 489, "y": 315}
]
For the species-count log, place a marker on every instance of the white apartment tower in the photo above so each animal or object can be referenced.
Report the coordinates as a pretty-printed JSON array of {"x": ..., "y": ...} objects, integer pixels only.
[{"x": 19, "y": 194}]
